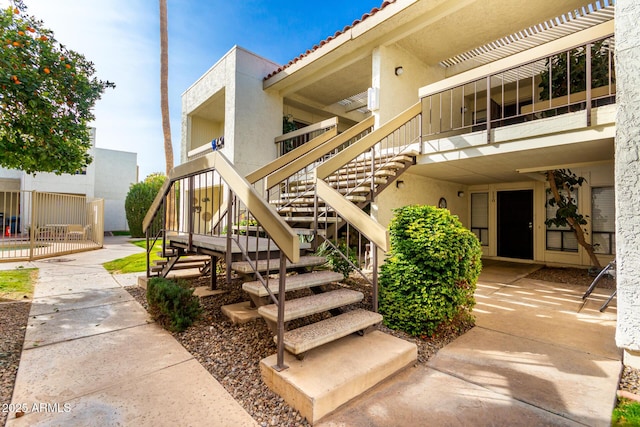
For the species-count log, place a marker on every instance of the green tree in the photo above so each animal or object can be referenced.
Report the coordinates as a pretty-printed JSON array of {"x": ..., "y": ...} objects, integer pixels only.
[
  {"x": 47, "y": 93},
  {"x": 139, "y": 200}
]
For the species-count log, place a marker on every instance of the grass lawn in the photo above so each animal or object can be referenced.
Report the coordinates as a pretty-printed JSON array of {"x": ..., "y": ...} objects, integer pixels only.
[
  {"x": 17, "y": 284},
  {"x": 627, "y": 413},
  {"x": 135, "y": 263}
]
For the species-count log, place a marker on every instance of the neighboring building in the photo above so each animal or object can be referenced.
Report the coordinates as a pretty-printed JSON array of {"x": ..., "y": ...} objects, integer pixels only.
[
  {"x": 108, "y": 177},
  {"x": 483, "y": 157}
]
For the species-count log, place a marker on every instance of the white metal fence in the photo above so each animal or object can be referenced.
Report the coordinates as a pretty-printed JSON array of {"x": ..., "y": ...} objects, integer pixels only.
[{"x": 39, "y": 225}]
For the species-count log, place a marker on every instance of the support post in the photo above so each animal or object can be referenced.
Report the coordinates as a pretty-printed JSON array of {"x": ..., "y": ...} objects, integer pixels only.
[
  {"x": 280, "y": 366},
  {"x": 374, "y": 296},
  {"x": 228, "y": 254},
  {"x": 588, "y": 47}
]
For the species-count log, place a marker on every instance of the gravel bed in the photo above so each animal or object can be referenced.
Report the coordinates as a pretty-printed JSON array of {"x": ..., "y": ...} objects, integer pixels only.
[
  {"x": 232, "y": 353},
  {"x": 13, "y": 324}
]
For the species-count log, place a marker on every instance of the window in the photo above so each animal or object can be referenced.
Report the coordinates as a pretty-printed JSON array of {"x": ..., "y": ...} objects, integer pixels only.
[
  {"x": 603, "y": 220},
  {"x": 561, "y": 238},
  {"x": 480, "y": 217}
]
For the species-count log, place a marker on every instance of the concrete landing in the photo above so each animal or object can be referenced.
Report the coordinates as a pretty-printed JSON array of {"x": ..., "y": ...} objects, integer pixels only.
[
  {"x": 538, "y": 356},
  {"x": 241, "y": 312},
  {"x": 335, "y": 373}
]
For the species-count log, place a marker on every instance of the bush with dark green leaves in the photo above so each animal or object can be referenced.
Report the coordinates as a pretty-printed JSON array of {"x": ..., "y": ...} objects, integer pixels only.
[
  {"x": 172, "y": 304},
  {"x": 431, "y": 273},
  {"x": 336, "y": 257},
  {"x": 139, "y": 200}
]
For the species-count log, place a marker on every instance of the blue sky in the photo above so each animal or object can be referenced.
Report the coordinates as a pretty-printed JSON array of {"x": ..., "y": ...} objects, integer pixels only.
[{"x": 122, "y": 38}]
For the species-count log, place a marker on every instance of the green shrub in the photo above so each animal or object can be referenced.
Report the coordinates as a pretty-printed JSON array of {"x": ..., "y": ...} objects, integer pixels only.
[
  {"x": 432, "y": 270},
  {"x": 172, "y": 304},
  {"x": 139, "y": 200},
  {"x": 337, "y": 262}
]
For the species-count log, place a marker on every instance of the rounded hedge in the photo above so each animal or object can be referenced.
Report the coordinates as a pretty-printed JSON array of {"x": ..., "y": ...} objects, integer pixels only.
[
  {"x": 138, "y": 201},
  {"x": 431, "y": 273}
]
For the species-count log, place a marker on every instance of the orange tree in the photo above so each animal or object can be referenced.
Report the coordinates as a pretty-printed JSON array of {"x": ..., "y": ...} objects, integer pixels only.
[{"x": 47, "y": 93}]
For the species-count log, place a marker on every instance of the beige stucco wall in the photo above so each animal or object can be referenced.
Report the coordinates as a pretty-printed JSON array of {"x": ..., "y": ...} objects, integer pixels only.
[
  {"x": 627, "y": 173},
  {"x": 397, "y": 93},
  {"x": 116, "y": 171},
  {"x": 420, "y": 190},
  {"x": 247, "y": 116}
]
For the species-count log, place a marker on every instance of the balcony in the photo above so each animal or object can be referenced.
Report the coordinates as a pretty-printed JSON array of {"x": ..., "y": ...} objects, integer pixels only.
[{"x": 573, "y": 80}]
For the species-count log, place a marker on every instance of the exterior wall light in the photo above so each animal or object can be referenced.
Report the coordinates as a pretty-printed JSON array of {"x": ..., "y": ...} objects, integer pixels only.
[
  {"x": 460, "y": 193},
  {"x": 399, "y": 71},
  {"x": 399, "y": 184}
]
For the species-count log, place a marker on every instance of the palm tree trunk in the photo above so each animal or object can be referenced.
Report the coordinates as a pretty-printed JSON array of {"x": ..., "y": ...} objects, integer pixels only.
[{"x": 164, "y": 91}]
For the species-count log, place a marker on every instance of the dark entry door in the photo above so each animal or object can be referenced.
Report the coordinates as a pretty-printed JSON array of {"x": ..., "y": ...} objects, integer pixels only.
[{"x": 515, "y": 224}]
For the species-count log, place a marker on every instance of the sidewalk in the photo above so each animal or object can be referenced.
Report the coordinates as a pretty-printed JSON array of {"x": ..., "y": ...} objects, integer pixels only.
[
  {"x": 92, "y": 357},
  {"x": 535, "y": 358}
]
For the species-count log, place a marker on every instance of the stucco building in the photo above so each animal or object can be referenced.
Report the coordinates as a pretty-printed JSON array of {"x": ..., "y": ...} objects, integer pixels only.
[
  {"x": 108, "y": 177},
  {"x": 488, "y": 97}
]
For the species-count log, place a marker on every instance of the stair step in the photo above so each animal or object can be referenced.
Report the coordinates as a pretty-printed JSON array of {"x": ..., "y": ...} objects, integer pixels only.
[
  {"x": 313, "y": 304},
  {"x": 308, "y": 231},
  {"x": 337, "y": 372},
  {"x": 303, "y": 339},
  {"x": 342, "y": 181},
  {"x": 379, "y": 174},
  {"x": 363, "y": 166},
  {"x": 292, "y": 199},
  {"x": 299, "y": 281},
  {"x": 179, "y": 266},
  {"x": 186, "y": 259},
  {"x": 310, "y": 219},
  {"x": 302, "y": 209},
  {"x": 244, "y": 267}
]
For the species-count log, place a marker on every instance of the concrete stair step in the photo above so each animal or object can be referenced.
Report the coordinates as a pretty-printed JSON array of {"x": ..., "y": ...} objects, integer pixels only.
[
  {"x": 294, "y": 200},
  {"x": 310, "y": 219},
  {"x": 364, "y": 166},
  {"x": 303, "y": 339},
  {"x": 343, "y": 181},
  {"x": 179, "y": 266},
  {"x": 303, "y": 209},
  {"x": 263, "y": 265},
  {"x": 313, "y": 304},
  {"x": 299, "y": 281},
  {"x": 308, "y": 231},
  {"x": 333, "y": 374},
  {"x": 186, "y": 259}
]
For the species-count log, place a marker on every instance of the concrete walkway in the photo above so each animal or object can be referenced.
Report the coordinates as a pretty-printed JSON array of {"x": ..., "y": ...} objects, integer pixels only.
[
  {"x": 537, "y": 357},
  {"x": 92, "y": 357}
]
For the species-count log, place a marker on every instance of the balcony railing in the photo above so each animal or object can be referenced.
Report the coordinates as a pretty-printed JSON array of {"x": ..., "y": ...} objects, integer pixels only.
[{"x": 575, "y": 79}]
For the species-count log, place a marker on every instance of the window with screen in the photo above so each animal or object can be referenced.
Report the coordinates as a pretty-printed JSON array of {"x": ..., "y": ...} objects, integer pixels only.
[
  {"x": 561, "y": 238},
  {"x": 480, "y": 217},
  {"x": 603, "y": 216}
]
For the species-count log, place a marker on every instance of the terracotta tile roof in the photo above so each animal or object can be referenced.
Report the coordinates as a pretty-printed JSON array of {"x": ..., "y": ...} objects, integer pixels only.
[{"x": 328, "y": 39}]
